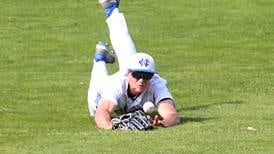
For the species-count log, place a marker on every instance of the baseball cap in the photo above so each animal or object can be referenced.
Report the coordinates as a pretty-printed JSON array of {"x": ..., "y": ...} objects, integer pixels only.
[{"x": 141, "y": 62}]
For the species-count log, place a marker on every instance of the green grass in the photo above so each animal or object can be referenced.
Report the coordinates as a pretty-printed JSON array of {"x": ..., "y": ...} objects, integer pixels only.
[{"x": 218, "y": 57}]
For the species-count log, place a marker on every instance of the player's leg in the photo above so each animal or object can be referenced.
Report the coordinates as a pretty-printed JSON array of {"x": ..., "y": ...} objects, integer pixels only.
[
  {"x": 99, "y": 74},
  {"x": 98, "y": 70},
  {"x": 118, "y": 30}
]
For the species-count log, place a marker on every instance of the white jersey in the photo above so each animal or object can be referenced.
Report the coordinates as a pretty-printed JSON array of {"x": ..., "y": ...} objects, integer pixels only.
[
  {"x": 116, "y": 91},
  {"x": 114, "y": 87}
]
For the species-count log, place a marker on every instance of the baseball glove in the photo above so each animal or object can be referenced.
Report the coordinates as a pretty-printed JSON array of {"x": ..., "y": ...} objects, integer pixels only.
[{"x": 132, "y": 121}]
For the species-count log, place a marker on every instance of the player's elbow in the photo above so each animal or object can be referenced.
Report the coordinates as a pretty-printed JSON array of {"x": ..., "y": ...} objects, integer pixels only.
[{"x": 171, "y": 119}]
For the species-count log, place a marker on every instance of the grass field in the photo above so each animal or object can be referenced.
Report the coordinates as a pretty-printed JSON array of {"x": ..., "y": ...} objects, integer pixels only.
[{"x": 218, "y": 57}]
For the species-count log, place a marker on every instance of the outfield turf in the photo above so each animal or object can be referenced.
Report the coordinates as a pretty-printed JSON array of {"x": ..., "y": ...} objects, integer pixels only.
[{"x": 218, "y": 56}]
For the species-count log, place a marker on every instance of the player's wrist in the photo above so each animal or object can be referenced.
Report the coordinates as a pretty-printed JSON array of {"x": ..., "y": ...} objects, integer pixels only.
[{"x": 109, "y": 126}]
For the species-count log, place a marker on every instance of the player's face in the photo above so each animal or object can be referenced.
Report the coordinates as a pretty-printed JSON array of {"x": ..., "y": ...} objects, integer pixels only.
[{"x": 139, "y": 81}]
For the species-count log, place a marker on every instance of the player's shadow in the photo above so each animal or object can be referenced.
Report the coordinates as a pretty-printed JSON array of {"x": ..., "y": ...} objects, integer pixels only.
[
  {"x": 205, "y": 106},
  {"x": 184, "y": 120}
]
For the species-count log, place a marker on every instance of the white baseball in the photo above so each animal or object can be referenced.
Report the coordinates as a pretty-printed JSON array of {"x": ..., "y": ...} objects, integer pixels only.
[{"x": 148, "y": 107}]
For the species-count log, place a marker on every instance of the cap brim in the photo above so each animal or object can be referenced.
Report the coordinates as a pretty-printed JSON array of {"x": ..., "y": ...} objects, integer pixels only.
[{"x": 142, "y": 70}]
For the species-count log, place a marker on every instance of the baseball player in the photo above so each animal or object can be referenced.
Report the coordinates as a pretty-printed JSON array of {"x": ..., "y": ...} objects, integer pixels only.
[{"x": 135, "y": 83}]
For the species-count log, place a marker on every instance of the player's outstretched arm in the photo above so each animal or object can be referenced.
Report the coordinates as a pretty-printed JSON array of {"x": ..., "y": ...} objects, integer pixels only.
[
  {"x": 103, "y": 114},
  {"x": 167, "y": 111}
]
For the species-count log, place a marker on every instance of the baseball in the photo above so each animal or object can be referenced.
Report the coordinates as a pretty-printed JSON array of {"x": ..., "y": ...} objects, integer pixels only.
[{"x": 148, "y": 107}]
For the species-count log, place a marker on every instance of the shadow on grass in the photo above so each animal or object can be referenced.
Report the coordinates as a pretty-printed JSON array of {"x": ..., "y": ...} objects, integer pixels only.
[
  {"x": 184, "y": 120},
  {"x": 204, "y": 106}
]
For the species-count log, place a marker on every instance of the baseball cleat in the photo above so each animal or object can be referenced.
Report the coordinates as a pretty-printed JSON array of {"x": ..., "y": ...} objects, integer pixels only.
[
  {"x": 103, "y": 53},
  {"x": 109, "y": 6}
]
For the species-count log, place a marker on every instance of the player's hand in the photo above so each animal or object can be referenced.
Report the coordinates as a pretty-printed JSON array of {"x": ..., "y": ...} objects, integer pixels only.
[{"x": 156, "y": 120}]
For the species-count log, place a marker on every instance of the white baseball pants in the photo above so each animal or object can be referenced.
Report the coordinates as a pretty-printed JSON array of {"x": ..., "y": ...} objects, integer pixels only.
[{"x": 123, "y": 46}]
